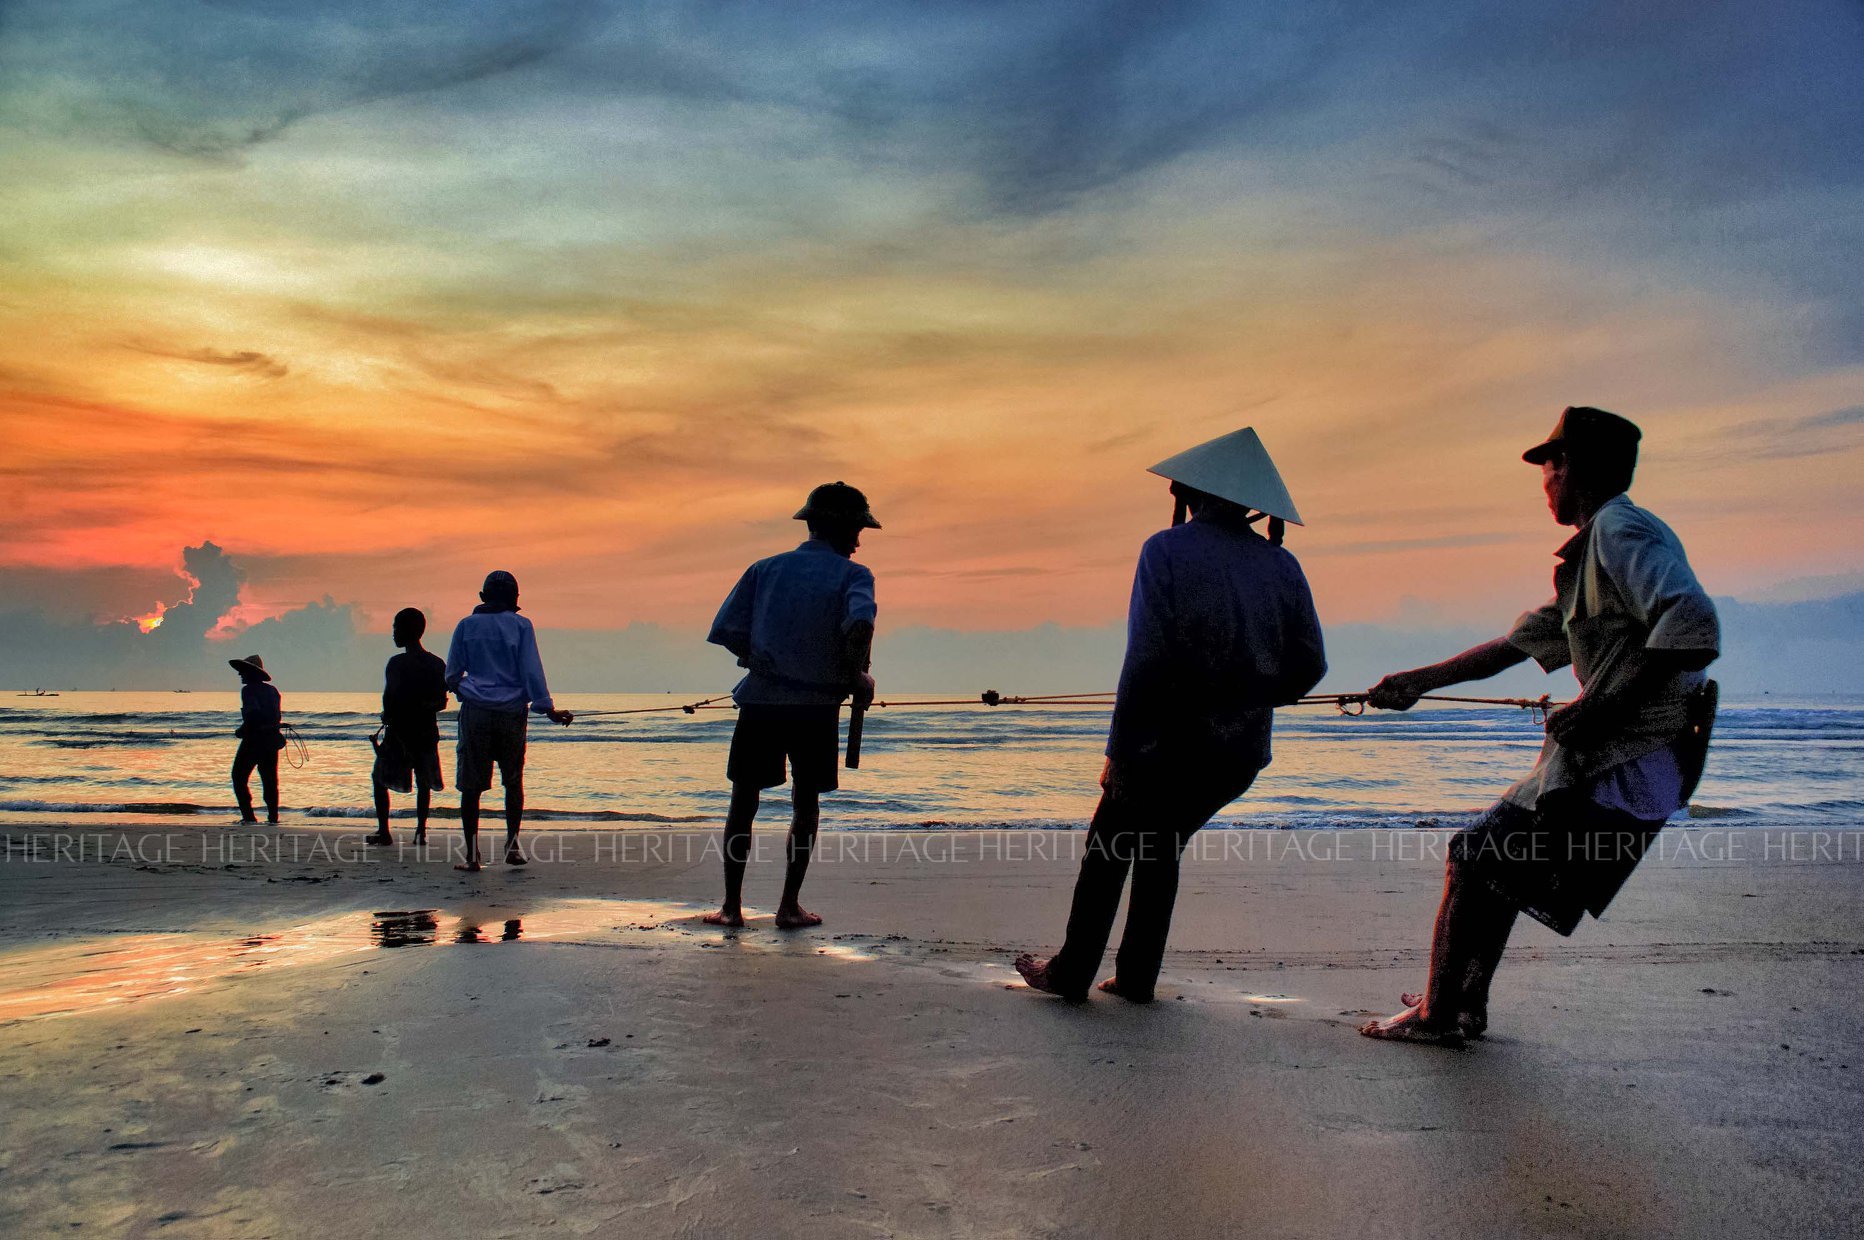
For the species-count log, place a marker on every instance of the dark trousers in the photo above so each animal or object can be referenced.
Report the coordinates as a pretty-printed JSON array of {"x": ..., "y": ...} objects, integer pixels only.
[
  {"x": 1144, "y": 831},
  {"x": 258, "y": 754}
]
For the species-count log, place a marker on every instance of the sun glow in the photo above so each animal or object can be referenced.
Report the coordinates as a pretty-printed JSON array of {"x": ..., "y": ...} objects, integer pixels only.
[{"x": 153, "y": 621}]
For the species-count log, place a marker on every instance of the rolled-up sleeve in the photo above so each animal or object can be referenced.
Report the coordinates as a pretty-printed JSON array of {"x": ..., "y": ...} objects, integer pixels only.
[
  {"x": 858, "y": 605},
  {"x": 1658, "y": 587},
  {"x": 1540, "y": 634},
  {"x": 731, "y": 628}
]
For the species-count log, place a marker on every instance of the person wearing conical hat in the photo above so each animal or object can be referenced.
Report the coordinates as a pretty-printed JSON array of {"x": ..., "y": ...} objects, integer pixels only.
[
  {"x": 1220, "y": 631},
  {"x": 261, "y": 735},
  {"x": 1637, "y": 628},
  {"x": 802, "y": 624}
]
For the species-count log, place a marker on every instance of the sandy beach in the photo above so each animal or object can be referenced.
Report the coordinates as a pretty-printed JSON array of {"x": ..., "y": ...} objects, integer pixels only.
[{"x": 222, "y": 1034}]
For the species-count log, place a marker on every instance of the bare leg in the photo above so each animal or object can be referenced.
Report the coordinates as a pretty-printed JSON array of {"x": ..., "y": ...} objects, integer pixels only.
[
  {"x": 514, "y": 819},
  {"x": 1466, "y": 947},
  {"x": 381, "y": 835},
  {"x": 804, "y": 819},
  {"x": 423, "y": 806},
  {"x": 469, "y": 827},
  {"x": 738, "y": 821}
]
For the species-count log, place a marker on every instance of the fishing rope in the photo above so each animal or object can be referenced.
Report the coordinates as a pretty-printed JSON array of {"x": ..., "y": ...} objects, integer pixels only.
[
  {"x": 690, "y": 708},
  {"x": 296, "y": 752},
  {"x": 1350, "y": 704}
]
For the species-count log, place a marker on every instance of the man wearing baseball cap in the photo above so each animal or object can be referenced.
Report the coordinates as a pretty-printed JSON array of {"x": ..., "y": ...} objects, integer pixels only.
[
  {"x": 494, "y": 669},
  {"x": 802, "y": 623},
  {"x": 1220, "y": 631},
  {"x": 1630, "y": 618}
]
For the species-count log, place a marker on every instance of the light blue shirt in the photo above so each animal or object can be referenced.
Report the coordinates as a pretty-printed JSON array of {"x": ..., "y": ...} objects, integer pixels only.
[
  {"x": 788, "y": 619},
  {"x": 1220, "y": 631},
  {"x": 1623, "y": 585},
  {"x": 493, "y": 663}
]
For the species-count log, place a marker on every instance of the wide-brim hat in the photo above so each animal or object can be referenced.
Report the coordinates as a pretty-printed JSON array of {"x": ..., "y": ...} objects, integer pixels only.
[
  {"x": 1589, "y": 433},
  {"x": 251, "y": 663},
  {"x": 837, "y": 501},
  {"x": 1235, "y": 467}
]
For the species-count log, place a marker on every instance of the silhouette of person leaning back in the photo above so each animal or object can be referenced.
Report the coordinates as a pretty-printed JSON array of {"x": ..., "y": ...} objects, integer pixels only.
[
  {"x": 1637, "y": 628},
  {"x": 1220, "y": 631}
]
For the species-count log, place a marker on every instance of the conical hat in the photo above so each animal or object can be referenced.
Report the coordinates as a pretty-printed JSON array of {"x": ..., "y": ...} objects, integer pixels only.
[{"x": 1235, "y": 467}]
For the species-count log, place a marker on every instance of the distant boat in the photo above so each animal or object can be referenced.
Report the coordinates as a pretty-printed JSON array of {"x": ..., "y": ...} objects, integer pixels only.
[
  {"x": 38, "y": 693},
  {"x": 184, "y": 691}
]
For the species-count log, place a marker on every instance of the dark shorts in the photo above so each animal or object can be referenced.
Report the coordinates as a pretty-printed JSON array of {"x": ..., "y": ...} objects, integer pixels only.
[
  {"x": 487, "y": 737},
  {"x": 1558, "y": 862},
  {"x": 403, "y": 766},
  {"x": 808, "y": 736}
]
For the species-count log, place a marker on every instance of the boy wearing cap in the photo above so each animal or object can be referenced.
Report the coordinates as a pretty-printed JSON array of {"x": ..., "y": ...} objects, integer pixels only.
[
  {"x": 1637, "y": 628},
  {"x": 494, "y": 669},
  {"x": 1220, "y": 631},
  {"x": 261, "y": 736},
  {"x": 802, "y": 623},
  {"x": 414, "y": 692}
]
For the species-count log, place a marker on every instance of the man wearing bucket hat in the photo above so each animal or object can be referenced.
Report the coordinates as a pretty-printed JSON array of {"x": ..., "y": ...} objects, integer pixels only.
[
  {"x": 494, "y": 669},
  {"x": 1629, "y": 616},
  {"x": 1220, "y": 631},
  {"x": 261, "y": 735},
  {"x": 802, "y": 624}
]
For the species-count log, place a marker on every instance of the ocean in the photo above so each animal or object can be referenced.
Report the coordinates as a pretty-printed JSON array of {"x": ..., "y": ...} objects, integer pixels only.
[{"x": 93, "y": 758}]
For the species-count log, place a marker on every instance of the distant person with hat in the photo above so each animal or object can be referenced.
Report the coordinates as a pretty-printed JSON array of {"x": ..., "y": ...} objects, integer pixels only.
[
  {"x": 407, "y": 755},
  {"x": 1630, "y": 618},
  {"x": 494, "y": 669},
  {"x": 1220, "y": 631},
  {"x": 802, "y": 623},
  {"x": 261, "y": 735}
]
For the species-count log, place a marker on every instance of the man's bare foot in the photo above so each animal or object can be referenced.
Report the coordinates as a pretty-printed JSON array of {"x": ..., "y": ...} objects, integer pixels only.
[
  {"x": 730, "y": 918},
  {"x": 380, "y": 837},
  {"x": 1112, "y": 986},
  {"x": 420, "y": 839},
  {"x": 1409, "y": 1026},
  {"x": 513, "y": 856},
  {"x": 1473, "y": 1024},
  {"x": 1036, "y": 976},
  {"x": 471, "y": 867},
  {"x": 798, "y": 918}
]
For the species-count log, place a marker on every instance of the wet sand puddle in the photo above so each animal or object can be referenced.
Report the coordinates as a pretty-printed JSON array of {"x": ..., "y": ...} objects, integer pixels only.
[
  {"x": 76, "y": 976},
  {"x": 70, "y": 977}
]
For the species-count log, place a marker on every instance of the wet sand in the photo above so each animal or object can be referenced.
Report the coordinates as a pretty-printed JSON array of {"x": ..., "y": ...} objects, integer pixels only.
[{"x": 224, "y": 1034}]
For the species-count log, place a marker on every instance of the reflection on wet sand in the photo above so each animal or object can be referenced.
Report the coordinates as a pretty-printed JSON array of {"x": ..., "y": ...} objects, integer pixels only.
[
  {"x": 472, "y": 932},
  {"x": 80, "y": 975},
  {"x": 404, "y": 929}
]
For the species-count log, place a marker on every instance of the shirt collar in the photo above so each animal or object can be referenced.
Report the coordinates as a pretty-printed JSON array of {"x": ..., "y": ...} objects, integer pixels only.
[
  {"x": 1571, "y": 547},
  {"x": 818, "y": 546}
]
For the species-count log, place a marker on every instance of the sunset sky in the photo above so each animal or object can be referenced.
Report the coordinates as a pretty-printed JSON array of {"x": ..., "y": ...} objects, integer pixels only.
[{"x": 378, "y": 295}]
